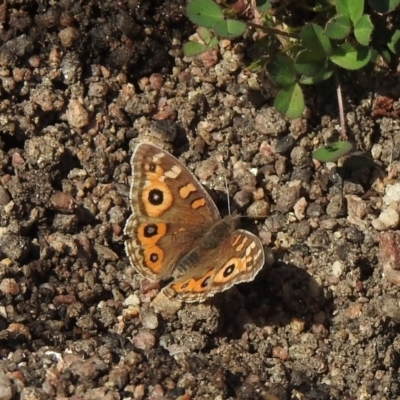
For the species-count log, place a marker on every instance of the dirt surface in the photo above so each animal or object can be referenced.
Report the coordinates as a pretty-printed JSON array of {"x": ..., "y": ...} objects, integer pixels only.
[{"x": 81, "y": 83}]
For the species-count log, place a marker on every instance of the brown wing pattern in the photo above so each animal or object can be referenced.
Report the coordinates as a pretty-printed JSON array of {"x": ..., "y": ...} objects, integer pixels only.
[
  {"x": 237, "y": 259},
  {"x": 170, "y": 209}
]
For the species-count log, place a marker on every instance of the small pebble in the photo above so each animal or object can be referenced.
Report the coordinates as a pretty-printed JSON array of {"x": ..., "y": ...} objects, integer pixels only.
[
  {"x": 5, "y": 198},
  {"x": 77, "y": 115},
  {"x": 337, "y": 268},
  {"x": 132, "y": 300},
  {"x": 84, "y": 369},
  {"x": 206, "y": 169},
  {"x": 280, "y": 352},
  {"x": 9, "y": 286},
  {"x": 19, "y": 329},
  {"x": 259, "y": 208},
  {"x": 376, "y": 151},
  {"x": 165, "y": 306},
  {"x": 14, "y": 246},
  {"x": 149, "y": 320},
  {"x": 300, "y": 208},
  {"x": 118, "y": 377},
  {"x": 389, "y": 218},
  {"x": 63, "y": 201},
  {"x": 139, "y": 392},
  {"x": 98, "y": 89},
  {"x": 269, "y": 122},
  {"x": 392, "y": 194},
  {"x": 301, "y": 157},
  {"x": 6, "y": 389},
  {"x": 68, "y": 36},
  {"x": 356, "y": 207},
  {"x": 287, "y": 197},
  {"x": 242, "y": 198},
  {"x": 297, "y": 325},
  {"x": 130, "y": 312},
  {"x": 337, "y": 206},
  {"x": 144, "y": 340},
  {"x": 389, "y": 255}
]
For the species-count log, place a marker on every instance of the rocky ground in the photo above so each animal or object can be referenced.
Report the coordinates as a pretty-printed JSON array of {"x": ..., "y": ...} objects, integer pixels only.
[{"x": 81, "y": 84}]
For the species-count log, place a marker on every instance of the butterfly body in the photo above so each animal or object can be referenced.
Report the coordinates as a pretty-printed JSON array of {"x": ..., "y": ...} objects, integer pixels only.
[
  {"x": 207, "y": 241},
  {"x": 175, "y": 231}
]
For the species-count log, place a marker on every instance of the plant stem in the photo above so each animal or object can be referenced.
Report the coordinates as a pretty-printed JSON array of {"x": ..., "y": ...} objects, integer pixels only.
[
  {"x": 343, "y": 133},
  {"x": 270, "y": 30}
]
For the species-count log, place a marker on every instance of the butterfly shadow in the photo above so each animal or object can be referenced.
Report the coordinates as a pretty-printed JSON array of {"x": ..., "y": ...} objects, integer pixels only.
[{"x": 279, "y": 295}]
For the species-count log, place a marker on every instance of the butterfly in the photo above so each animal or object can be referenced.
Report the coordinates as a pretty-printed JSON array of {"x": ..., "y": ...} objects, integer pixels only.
[{"x": 176, "y": 233}]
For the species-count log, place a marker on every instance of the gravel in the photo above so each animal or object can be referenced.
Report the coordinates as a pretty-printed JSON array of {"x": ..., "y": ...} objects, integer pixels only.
[{"x": 81, "y": 83}]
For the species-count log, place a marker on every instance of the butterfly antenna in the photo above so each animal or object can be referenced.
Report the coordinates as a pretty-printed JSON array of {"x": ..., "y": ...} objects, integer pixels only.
[{"x": 227, "y": 195}]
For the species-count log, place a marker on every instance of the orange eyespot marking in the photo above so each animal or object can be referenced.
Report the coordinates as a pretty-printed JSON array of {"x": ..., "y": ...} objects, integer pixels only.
[
  {"x": 153, "y": 258},
  {"x": 150, "y": 234},
  {"x": 185, "y": 191},
  {"x": 198, "y": 203},
  {"x": 193, "y": 285},
  {"x": 233, "y": 267},
  {"x": 156, "y": 198}
]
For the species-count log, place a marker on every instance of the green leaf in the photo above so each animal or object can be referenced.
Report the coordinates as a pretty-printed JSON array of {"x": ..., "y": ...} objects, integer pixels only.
[
  {"x": 351, "y": 8},
  {"x": 324, "y": 75},
  {"x": 213, "y": 43},
  {"x": 230, "y": 28},
  {"x": 363, "y": 29},
  {"x": 332, "y": 151},
  {"x": 350, "y": 57},
  {"x": 394, "y": 44},
  {"x": 313, "y": 38},
  {"x": 381, "y": 61},
  {"x": 263, "y": 6},
  {"x": 309, "y": 63},
  {"x": 204, "y": 13},
  {"x": 281, "y": 70},
  {"x": 290, "y": 101},
  {"x": 386, "y": 57},
  {"x": 338, "y": 27},
  {"x": 382, "y": 6},
  {"x": 256, "y": 65},
  {"x": 191, "y": 49},
  {"x": 204, "y": 34}
]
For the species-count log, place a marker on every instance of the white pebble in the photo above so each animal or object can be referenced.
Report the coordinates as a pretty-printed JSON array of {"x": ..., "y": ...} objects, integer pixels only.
[
  {"x": 337, "y": 268},
  {"x": 132, "y": 300},
  {"x": 390, "y": 218},
  {"x": 392, "y": 194}
]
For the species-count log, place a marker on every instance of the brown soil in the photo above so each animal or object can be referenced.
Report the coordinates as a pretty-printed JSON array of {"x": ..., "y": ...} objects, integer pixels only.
[{"x": 82, "y": 82}]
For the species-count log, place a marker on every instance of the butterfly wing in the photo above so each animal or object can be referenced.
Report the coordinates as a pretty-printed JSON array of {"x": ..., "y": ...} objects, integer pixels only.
[
  {"x": 237, "y": 259},
  {"x": 170, "y": 209}
]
